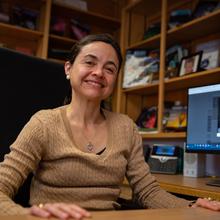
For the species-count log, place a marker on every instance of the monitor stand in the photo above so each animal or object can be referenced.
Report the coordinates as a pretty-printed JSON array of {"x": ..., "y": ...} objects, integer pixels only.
[{"x": 214, "y": 182}]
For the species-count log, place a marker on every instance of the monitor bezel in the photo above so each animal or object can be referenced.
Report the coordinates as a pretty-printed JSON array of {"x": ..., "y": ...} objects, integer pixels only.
[{"x": 198, "y": 151}]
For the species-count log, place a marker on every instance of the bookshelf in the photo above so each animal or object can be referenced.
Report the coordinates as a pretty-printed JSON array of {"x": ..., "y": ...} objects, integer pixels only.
[
  {"x": 100, "y": 16},
  {"x": 136, "y": 17}
]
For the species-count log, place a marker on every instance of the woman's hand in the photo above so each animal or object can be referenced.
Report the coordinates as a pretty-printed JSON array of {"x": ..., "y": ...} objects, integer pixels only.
[
  {"x": 207, "y": 203},
  {"x": 59, "y": 210}
]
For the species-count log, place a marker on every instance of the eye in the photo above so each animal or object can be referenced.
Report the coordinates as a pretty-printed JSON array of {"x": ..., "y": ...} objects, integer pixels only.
[
  {"x": 110, "y": 70},
  {"x": 89, "y": 63}
]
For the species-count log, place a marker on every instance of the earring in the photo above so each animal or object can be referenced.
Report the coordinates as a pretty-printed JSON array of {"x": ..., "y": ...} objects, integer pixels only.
[{"x": 67, "y": 77}]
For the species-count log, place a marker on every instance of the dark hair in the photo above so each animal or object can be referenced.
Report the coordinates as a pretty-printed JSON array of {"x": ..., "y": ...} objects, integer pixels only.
[
  {"x": 76, "y": 49},
  {"x": 106, "y": 38}
]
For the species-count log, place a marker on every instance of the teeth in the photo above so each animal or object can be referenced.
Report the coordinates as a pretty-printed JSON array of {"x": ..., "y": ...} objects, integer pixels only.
[{"x": 95, "y": 83}]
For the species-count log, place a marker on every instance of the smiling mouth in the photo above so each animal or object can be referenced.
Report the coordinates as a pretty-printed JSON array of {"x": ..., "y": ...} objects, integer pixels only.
[{"x": 94, "y": 83}]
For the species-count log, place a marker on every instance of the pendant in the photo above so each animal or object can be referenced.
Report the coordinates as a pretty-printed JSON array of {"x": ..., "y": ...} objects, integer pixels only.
[{"x": 90, "y": 147}]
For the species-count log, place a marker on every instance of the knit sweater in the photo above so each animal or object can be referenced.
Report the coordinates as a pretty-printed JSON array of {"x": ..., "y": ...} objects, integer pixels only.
[{"x": 63, "y": 173}]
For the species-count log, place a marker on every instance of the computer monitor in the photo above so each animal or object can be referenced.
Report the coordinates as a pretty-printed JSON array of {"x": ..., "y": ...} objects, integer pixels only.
[{"x": 203, "y": 122}]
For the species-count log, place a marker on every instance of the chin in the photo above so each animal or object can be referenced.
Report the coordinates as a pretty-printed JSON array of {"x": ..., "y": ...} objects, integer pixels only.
[{"x": 95, "y": 95}]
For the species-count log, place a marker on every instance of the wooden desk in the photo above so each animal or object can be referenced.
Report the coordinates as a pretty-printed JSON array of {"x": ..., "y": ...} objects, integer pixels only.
[
  {"x": 156, "y": 214},
  {"x": 182, "y": 185}
]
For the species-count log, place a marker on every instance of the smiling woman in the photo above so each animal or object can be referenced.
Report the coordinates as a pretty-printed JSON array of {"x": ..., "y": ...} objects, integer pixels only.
[
  {"x": 80, "y": 153},
  {"x": 89, "y": 59},
  {"x": 94, "y": 72}
]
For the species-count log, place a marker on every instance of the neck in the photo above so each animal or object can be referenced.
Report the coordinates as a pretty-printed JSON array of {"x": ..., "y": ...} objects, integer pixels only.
[{"x": 84, "y": 112}]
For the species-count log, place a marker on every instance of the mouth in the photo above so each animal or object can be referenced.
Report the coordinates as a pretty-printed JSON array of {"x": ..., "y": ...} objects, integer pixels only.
[{"x": 94, "y": 83}]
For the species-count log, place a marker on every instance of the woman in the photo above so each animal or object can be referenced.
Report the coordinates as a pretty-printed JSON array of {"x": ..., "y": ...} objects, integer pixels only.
[{"x": 79, "y": 153}]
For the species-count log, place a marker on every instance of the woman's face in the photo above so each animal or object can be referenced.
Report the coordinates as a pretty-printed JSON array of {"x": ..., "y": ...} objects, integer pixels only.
[{"x": 94, "y": 71}]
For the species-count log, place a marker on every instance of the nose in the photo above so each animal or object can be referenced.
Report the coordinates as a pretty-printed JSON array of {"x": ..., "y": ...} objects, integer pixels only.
[{"x": 98, "y": 71}]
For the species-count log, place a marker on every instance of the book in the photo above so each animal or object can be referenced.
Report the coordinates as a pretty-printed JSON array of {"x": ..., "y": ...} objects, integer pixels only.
[
  {"x": 147, "y": 120},
  {"x": 79, "y": 29},
  {"x": 211, "y": 54},
  {"x": 140, "y": 67},
  {"x": 175, "y": 118},
  {"x": 24, "y": 50},
  {"x": 58, "y": 26}
]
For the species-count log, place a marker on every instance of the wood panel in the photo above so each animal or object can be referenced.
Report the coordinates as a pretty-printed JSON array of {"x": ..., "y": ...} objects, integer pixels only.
[
  {"x": 137, "y": 28},
  {"x": 163, "y": 135},
  {"x": 133, "y": 106},
  {"x": 178, "y": 95},
  {"x": 150, "y": 100}
]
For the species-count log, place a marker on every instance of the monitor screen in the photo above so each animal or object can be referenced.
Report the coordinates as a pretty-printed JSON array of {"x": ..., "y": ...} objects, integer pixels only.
[{"x": 203, "y": 123}]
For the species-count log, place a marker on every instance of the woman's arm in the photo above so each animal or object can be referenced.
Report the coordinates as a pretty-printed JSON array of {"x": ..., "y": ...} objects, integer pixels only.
[
  {"x": 25, "y": 154},
  {"x": 145, "y": 187}
]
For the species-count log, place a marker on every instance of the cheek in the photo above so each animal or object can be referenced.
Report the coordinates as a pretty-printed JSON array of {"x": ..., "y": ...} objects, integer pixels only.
[
  {"x": 77, "y": 74},
  {"x": 112, "y": 81}
]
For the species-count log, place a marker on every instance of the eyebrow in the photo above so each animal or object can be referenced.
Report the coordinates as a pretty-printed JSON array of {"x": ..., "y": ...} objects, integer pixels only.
[{"x": 96, "y": 58}]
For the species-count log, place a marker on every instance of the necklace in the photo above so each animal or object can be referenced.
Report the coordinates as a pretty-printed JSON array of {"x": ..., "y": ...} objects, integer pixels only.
[
  {"x": 90, "y": 147},
  {"x": 87, "y": 144}
]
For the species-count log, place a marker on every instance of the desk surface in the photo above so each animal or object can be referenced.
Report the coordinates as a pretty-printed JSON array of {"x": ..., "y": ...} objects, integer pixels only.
[
  {"x": 182, "y": 185},
  {"x": 156, "y": 214},
  {"x": 188, "y": 186}
]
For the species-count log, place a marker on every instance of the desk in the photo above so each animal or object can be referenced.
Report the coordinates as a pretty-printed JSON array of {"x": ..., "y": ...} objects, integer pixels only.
[
  {"x": 182, "y": 185},
  {"x": 155, "y": 214}
]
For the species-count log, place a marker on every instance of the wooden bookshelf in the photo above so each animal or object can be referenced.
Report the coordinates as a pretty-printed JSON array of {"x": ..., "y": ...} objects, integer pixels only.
[{"x": 137, "y": 17}]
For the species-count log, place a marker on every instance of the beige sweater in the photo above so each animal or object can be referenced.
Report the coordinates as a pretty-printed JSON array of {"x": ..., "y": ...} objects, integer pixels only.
[{"x": 63, "y": 173}]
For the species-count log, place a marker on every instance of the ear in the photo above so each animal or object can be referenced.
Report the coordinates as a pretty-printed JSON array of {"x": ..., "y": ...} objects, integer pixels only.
[{"x": 67, "y": 67}]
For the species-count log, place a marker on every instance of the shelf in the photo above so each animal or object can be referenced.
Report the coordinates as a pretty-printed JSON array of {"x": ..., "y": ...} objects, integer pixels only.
[
  {"x": 20, "y": 32},
  {"x": 194, "y": 29},
  {"x": 142, "y": 7},
  {"x": 183, "y": 82},
  {"x": 184, "y": 33},
  {"x": 150, "y": 43},
  {"x": 148, "y": 89},
  {"x": 62, "y": 40},
  {"x": 196, "y": 79},
  {"x": 85, "y": 16},
  {"x": 163, "y": 135},
  {"x": 57, "y": 60},
  {"x": 34, "y": 5}
]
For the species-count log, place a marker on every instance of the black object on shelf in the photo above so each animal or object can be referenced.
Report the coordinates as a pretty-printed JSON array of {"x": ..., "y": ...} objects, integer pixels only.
[
  {"x": 179, "y": 17},
  {"x": 58, "y": 53},
  {"x": 24, "y": 17},
  {"x": 204, "y": 8},
  {"x": 152, "y": 30}
]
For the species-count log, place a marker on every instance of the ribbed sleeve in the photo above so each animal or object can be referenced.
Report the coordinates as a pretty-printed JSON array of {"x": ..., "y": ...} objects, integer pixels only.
[
  {"x": 145, "y": 187},
  {"x": 24, "y": 157}
]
